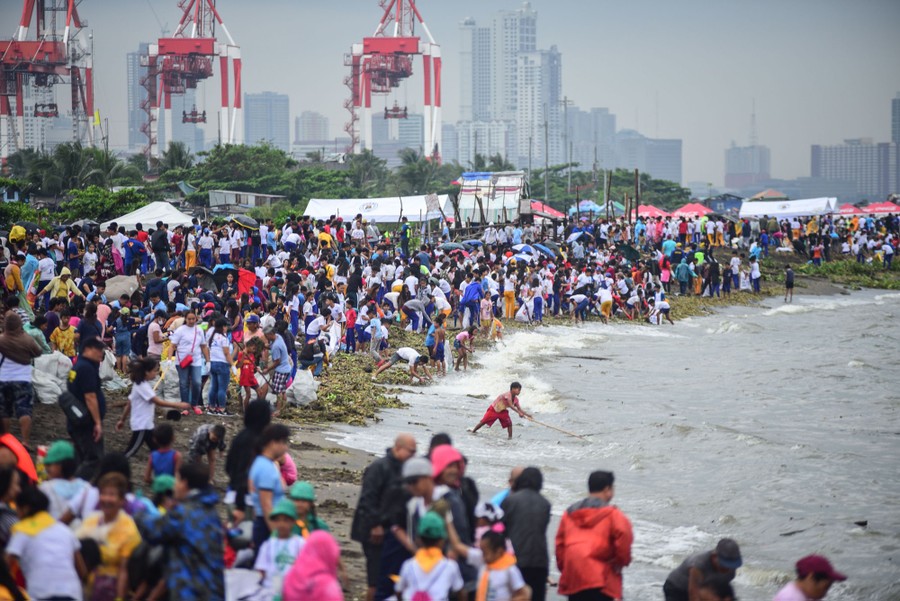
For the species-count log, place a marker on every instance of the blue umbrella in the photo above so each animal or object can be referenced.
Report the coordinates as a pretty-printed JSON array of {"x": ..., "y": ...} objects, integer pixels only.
[
  {"x": 520, "y": 257},
  {"x": 473, "y": 242},
  {"x": 524, "y": 248},
  {"x": 543, "y": 249}
]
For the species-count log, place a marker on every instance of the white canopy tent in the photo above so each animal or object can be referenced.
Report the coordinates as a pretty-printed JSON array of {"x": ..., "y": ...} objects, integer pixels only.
[
  {"x": 788, "y": 208},
  {"x": 380, "y": 210},
  {"x": 148, "y": 216},
  {"x": 499, "y": 193}
]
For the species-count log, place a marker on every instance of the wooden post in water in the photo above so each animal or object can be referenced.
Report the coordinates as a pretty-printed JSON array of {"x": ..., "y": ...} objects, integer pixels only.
[{"x": 637, "y": 193}]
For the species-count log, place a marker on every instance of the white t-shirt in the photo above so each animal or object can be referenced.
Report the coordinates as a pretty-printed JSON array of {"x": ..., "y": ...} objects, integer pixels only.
[
  {"x": 275, "y": 559},
  {"x": 224, "y": 245},
  {"x": 141, "y": 398},
  {"x": 501, "y": 583},
  {"x": 735, "y": 265},
  {"x": 11, "y": 371},
  {"x": 206, "y": 242},
  {"x": 48, "y": 562},
  {"x": 315, "y": 326},
  {"x": 217, "y": 345},
  {"x": 47, "y": 267},
  {"x": 443, "y": 579},
  {"x": 184, "y": 340},
  {"x": 408, "y": 354}
]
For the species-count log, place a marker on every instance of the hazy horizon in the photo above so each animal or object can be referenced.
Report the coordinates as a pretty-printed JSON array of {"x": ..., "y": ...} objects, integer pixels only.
[{"x": 819, "y": 71}]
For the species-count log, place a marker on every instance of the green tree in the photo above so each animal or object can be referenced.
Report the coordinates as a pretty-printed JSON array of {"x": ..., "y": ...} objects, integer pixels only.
[
  {"x": 99, "y": 204},
  {"x": 176, "y": 156},
  {"x": 368, "y": 173}
]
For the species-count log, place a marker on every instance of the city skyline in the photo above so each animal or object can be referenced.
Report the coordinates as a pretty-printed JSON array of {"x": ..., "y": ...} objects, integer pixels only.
[{"x": 689, "y": 70}]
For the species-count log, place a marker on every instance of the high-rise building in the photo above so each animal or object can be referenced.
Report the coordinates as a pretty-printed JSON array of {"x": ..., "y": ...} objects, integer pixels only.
[
  {"x": 310, "y": 126},
  {"x": 539, "y": 77},
  {"x": 873, "y": 167},
  {"x": 895, "y": 120},
  {"x": 450, "y": 150},
  {"x": 487, "y": 138},
  {"x": 659, "y": 158},
  {"x": 411, "y": 131},
  {"x": 746, "y": 165},
  {"x": 267, "y": 119},
  {"x": 513, "y": 32},
  {"x": 136, "y": 95},
  {"x": 475, "y": 71},
  {"x": 593, "y": 137}
]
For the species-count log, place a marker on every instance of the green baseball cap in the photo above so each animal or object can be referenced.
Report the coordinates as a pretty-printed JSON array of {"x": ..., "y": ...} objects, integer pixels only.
[
  {"x": 59, "y": 451},
  {"x": 162, "y": 484},
  {"x": 284, "y": 507},
  {"x": 302, "y": 491},
  {"x": 432, "y": 526}
]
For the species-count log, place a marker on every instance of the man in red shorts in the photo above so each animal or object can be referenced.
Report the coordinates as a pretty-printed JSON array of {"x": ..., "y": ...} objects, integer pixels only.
[{"x": 499, "y": 409}]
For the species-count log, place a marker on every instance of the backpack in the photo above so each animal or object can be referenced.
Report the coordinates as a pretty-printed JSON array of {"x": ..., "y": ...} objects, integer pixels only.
[{"x": 140, "y": 340}]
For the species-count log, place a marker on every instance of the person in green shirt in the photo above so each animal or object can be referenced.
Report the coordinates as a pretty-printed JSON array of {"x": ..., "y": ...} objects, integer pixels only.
[{"x": 304, "y": 497}]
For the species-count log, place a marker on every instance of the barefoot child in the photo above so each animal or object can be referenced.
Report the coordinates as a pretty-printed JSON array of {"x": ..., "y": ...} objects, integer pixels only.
[
  {"x": 247, "y": 361},
  {"x": 164, "y": 460},
  {"x": 463, "y": 343},
  {"x": 141, "y": 403},
  {"x": 499, "y": 410}
]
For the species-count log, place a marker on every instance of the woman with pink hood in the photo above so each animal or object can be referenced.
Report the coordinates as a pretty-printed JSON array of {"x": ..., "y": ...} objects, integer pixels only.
[{"x": 314, "y": 576}]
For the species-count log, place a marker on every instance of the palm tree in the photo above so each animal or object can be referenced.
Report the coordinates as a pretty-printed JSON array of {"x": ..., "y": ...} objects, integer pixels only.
[
  {"x": 368, "y": 173},
  {"x": 176, "y": 156},
  {"x": 416, "y": 174},
  {"x": 110, "y": 170}
]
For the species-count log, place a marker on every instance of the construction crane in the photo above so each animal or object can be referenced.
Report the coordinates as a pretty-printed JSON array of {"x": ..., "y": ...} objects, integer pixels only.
[
  {"x": 58, "y": 54},
  {"x": 181, "y": 62},
  {"x": 382, "y": 62}
]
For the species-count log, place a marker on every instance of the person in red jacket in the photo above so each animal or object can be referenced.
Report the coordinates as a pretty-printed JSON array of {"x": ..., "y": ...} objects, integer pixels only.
[{"x": 593, "y": 544}]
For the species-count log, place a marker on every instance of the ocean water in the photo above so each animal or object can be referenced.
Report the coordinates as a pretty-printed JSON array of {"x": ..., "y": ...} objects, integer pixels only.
[{"x": 777, "y": 425}]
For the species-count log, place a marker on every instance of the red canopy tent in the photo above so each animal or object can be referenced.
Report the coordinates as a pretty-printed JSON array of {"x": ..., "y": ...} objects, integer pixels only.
[
  {"x": 651, "y": 211},
  {"x": 849, "y": 209},
  {"x": 883, "y": 207},
  {"x": 545, "y": 209},
  {"x": 692, "y": 209}
]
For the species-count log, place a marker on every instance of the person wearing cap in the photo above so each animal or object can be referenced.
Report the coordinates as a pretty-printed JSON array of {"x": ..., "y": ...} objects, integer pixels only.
[
  {"x": 428, "y": 571},
  {"x": 593, "y": 544},
  {"x": 303, "y": 495},
  {"x": 815, "y": 575},
  {"x": 719, "y": 564},
  {"x": 277, "y": 554},
  {"x": 61, "y": 486}
]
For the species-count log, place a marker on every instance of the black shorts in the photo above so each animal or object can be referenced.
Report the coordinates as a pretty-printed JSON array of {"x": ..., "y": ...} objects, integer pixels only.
[
  {"x": 16, "y": 399},
  {"x": 789, "y": 286},
  {"x": 373, "y": 562}
]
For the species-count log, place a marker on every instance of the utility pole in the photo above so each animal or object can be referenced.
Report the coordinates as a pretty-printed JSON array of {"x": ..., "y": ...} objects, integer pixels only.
[
  {"x": 546, "y": 157},
  {"x": 567, "y": 147}
]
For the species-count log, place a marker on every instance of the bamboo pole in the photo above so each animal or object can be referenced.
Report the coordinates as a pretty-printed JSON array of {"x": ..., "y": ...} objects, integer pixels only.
[{"x": 566, "y": 432}]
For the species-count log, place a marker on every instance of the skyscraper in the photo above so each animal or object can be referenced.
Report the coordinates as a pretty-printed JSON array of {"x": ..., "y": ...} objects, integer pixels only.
[
  {"x": 512, "y": 32},
  {"x": 539, "y": 77},
  {"x": 746, "y": 165},
  {"x": 411, "y": 131},
  {"x": 136, "y": 94},
  {"x": 872, "y": 166},
  {"x": 475, "y": 68},
  {"x": 310, "y": 126},
  {"x": 661, "y": 159},
  {"x": 895, "y": 120},
  {"x": 267, "y": 119}
]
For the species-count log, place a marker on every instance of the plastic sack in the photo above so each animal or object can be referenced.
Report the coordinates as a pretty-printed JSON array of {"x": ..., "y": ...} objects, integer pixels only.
[
  {"x": 55, "y": 364},
  {"x": 169, "y": 389},
  {"x": 47, "y": 387},
  {"x": 303, "y": 388},
  {"x": 108, "y": 366},
  {"x": 244, "y": 585}
]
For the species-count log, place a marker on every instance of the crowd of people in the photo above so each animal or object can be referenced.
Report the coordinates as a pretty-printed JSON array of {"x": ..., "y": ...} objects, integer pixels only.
[
  {"x": 252, "y": 304},
  {"x": 424, "y": 528}
]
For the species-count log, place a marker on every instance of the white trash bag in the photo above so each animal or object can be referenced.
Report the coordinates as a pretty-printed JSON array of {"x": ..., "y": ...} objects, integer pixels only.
[
  {"x": 303, "y": 389},
  {"x": 56, "y": 365},
  {"x": 47, "y": 387}
]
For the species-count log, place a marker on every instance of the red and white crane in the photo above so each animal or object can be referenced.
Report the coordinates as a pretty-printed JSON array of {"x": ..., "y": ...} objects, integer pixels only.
[
  {"x": 58, "y": 54},
  {"x": 180, "y": 62},
  {"x": 383, "y": 61}
]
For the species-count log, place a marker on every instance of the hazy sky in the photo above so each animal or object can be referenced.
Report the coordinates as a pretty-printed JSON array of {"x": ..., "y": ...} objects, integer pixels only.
[{"x": 820, "y": 71}]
